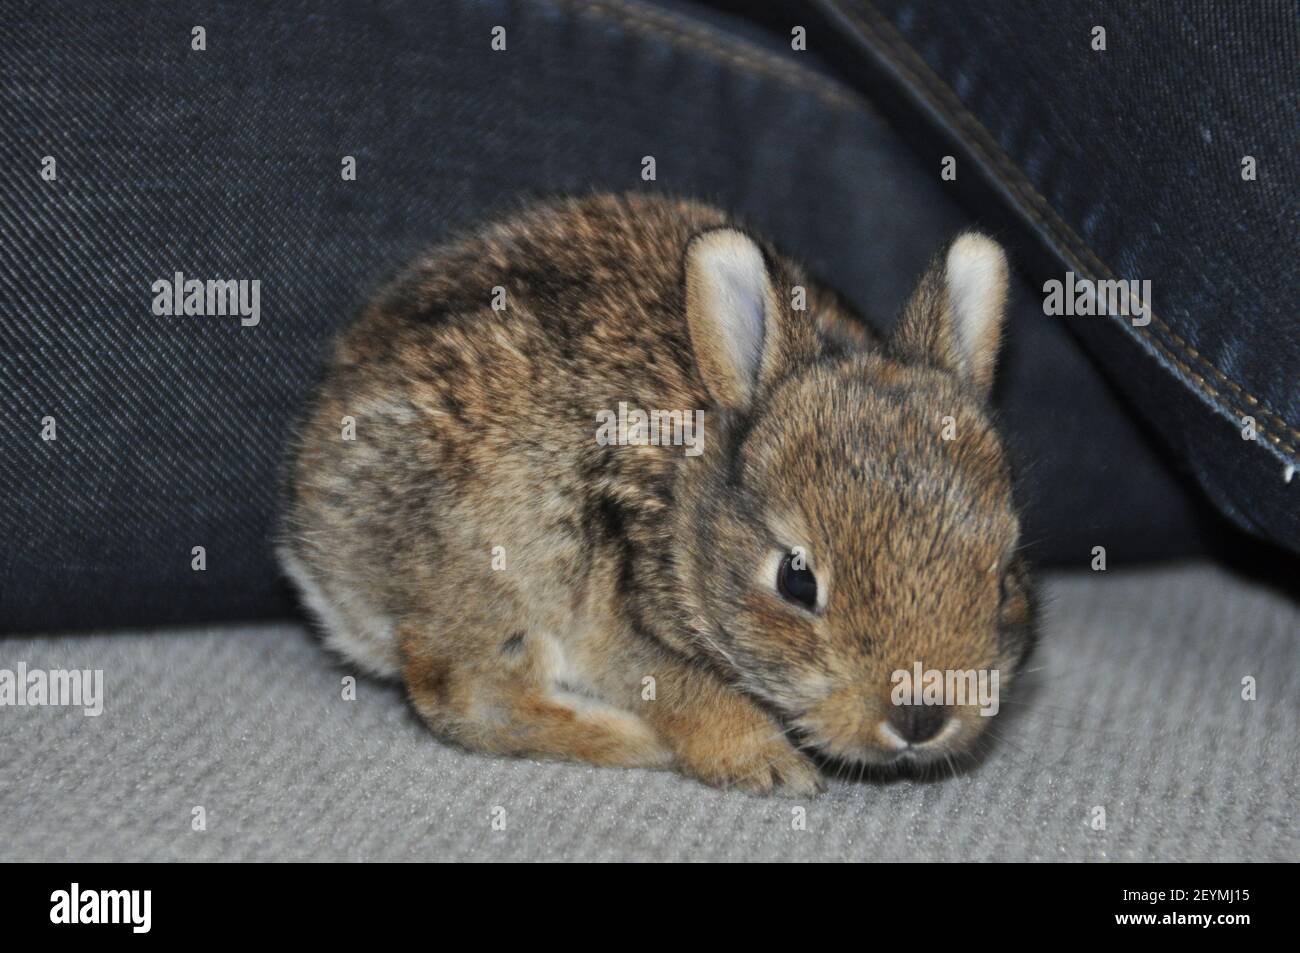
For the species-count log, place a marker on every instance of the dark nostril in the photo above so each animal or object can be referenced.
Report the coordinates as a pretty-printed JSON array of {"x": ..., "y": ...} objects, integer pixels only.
[{"x": 917, "y": 723}]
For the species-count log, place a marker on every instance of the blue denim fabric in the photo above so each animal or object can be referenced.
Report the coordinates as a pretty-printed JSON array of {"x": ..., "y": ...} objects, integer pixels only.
[
  {"x": 1127, "y": 163},
  {"x": 225, "y": 164}
]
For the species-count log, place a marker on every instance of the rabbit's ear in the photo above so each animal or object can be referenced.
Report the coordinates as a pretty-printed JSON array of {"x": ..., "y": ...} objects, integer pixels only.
[
  {"x": 731, "y": 310},
  {"x": 954, "y": 318}
]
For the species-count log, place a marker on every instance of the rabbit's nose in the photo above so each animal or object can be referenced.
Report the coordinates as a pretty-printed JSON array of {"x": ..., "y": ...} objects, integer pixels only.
[{"x": 917, "y": 723}]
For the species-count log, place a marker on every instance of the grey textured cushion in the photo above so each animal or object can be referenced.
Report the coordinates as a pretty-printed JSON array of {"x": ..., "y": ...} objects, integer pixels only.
[{"x": 1137, "y": 709}]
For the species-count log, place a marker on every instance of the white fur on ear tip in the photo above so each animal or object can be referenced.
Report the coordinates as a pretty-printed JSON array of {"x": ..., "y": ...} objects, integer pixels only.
[
  {"x": 728, "y": 288},
  {"x": 977, "y": 280}
]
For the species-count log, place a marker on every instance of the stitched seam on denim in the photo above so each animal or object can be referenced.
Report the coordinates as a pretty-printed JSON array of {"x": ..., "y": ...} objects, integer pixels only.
[
  {"x": 737, "y": 53},
  {"x": 1002, "y": 166}
]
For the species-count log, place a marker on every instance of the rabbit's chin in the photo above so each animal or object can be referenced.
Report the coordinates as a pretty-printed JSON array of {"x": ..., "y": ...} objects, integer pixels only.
[{"x": 874, "y": 760}]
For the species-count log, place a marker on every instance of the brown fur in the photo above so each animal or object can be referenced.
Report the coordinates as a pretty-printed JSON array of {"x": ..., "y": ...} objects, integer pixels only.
[{"x": 476, "y": 429}]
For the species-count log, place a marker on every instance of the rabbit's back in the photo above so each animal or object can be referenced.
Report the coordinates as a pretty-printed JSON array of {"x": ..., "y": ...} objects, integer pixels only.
[{"x": 452, "y": 447}]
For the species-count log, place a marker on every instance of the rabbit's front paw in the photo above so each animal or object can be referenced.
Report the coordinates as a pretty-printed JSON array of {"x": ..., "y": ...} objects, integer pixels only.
[{"x": 743, "y": 747}]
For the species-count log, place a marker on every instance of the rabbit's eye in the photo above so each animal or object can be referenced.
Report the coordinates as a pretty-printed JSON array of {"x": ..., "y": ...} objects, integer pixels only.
[{"x": 797, "y": 582}]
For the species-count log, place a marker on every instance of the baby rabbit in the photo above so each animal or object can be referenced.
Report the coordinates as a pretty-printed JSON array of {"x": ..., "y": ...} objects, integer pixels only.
[{"x": 464, "y": 513}]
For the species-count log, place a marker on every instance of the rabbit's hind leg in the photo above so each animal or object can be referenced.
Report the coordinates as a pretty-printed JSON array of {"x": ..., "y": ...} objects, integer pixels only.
[{"x": 509, "y": 696}]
